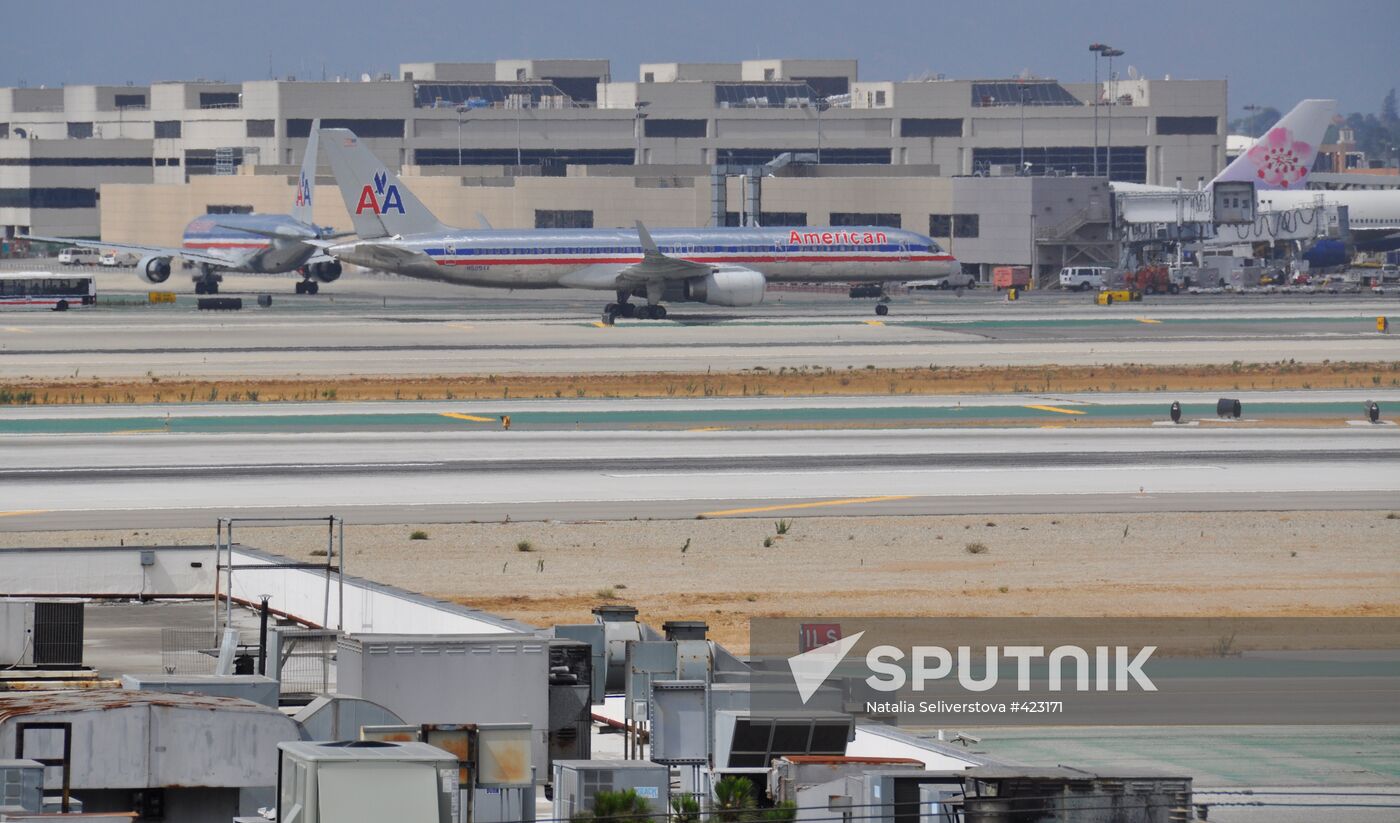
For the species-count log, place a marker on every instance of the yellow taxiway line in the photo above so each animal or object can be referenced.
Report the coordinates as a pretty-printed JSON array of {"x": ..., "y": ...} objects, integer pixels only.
[
  {"x": 472, "y": 417},
  {"x": 19, "y": 512},
  {"x": 1147, "y": 320},
  {"x": 874, "y": 322},
  {"x": 850, "y": 501},
  {"x": 1056, "y": 409}
]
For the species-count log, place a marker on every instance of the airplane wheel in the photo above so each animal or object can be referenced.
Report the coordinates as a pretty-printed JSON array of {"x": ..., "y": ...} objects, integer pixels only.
[
  {"x": 882, "y": 310},
  {"x": 301, "y": 287},
  {"x": 610, "y": 308},
  {"x": 628, "y": 310},
  {"x": 658, "y": 312},
  {"x": 609, "y": 318},
  {"x": 312, "y": 287}
]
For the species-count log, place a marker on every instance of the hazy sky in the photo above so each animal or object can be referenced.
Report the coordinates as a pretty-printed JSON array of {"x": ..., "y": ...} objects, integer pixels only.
[{"x": 1272, "y": 53}]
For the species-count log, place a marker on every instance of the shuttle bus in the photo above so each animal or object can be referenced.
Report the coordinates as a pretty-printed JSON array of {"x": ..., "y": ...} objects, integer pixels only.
[{"x": 46, "y": 290}]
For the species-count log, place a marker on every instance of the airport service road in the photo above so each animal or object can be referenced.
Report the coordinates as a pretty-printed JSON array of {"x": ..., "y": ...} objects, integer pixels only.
[
  {"x": 91, "y": 481},
  {"x": 545, "y": 335}
]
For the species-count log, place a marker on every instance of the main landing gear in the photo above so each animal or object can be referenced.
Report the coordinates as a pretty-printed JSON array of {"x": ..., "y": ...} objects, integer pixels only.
[
  {"x": 308, "y": 286},
  {"x": 207, "y": 283},
  {"x": 646, "y": 311}
]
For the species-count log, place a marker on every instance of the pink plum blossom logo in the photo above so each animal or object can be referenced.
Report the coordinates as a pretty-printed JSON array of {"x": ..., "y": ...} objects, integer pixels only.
[{"x": 1280, "y": 158}]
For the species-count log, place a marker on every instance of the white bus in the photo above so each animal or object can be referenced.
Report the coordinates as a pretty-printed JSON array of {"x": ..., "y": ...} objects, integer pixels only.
[{"x": 46, "y": 290}]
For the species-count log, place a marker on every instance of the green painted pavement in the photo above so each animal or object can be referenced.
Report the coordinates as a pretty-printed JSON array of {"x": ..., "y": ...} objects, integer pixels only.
[{"x": 630, "y": 419}]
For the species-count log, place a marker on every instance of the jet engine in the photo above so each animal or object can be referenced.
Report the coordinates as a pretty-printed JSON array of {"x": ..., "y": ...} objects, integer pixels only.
[
  {"x": 154, "y": 269},
  {"x": 727, "y": 287},
  {"x": 326, "y": 272}
]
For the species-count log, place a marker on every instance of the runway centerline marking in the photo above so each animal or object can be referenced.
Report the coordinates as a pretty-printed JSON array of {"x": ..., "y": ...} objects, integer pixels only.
[
  {"x": 813, "y": 505},
  {"x": 472, "y": 417},
  {"x": 1057, "y": 409}
]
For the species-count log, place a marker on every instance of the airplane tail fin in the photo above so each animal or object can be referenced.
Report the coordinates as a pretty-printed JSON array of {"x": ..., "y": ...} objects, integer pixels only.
[
  {"x": 379, "y": 204},
  {"x": 1283, "y": 157},
  {"x": 306, "y": 181}
]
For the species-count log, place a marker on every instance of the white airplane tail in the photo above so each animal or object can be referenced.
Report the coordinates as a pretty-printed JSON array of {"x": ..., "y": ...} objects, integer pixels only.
[
  {"x": 379, "y": 204},
  {"x": 306, "y": 182},
  {"x": 1283, "y": 157}
]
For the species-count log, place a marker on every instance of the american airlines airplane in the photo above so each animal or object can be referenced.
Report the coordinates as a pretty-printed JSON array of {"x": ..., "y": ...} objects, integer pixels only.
[
  {"x": 718, "y": 266},
  {"x": 256, "y": 243},
  {"x": 1279, "y": 164}
]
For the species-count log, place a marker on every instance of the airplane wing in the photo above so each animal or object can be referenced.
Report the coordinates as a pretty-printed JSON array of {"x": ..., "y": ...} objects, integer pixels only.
[
  {"x": 156, "y": 251},
  {"x": 658, "y": 266}
]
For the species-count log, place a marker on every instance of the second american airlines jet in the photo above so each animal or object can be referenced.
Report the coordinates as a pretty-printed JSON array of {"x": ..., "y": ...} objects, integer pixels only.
[
  {"x": 719, "y": 266},
  {"x": 255, "y": 243}
]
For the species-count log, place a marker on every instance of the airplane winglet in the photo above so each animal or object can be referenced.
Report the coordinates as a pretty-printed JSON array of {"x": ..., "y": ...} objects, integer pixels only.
[
  {"x": 648, "y": 245},
  {"x": 485, "y": 224}
]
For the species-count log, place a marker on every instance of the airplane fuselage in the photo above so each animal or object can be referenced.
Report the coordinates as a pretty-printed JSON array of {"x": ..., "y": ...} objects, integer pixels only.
[
  {"x": 592, "y": 258},
  {"x": 219, "y": 235}
]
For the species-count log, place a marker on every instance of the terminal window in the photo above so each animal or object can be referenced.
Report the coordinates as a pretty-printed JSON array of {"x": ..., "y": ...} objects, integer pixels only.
[
  {"x": 931, "y": 127},
  {"x": 361, "y": 126},
  {"x": 166, "y": 129},
  {"x": 220, "y": 100},
  {"x": 669, "y": 127},
  {"x": 865, "y": 218},
  {"x": 770, "y": 218},
  {"x": 940, "y": 225},
  {"x": 563, "y": 218},
  {"x": 262, "y": 128},
  {"x": 966, "y": 225},
  {"x": 217, "y": 208},
  {"x": 1129, "y": 162},
  {"x": 48, "y": 198},
  {"x": 1186, "y": 125},
  {"x": 79, "y": 130},
  {"x": 127, "y": 101}
]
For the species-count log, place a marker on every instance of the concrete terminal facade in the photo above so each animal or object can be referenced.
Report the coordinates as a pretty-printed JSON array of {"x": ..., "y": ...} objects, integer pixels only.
[{"x": 561, "y": 143}]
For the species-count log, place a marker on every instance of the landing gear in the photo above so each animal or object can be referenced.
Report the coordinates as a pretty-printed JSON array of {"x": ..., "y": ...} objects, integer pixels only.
[
  {"x": 882, "y": 309},
  {"x": 308, "y": 287},
  {"x": 207, "y": 282},
  {"x": 643, "y": 312}
]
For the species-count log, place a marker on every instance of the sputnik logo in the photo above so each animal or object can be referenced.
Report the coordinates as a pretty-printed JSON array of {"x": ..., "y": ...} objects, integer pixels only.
[{"x": 810, "y": 669}]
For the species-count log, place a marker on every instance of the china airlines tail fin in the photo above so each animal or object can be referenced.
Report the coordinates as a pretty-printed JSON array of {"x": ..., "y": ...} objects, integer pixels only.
[
  {"x": 306, "y": 181},
  {"x": 1283, "y": 157},
  {"x": 379, "y": 204}
]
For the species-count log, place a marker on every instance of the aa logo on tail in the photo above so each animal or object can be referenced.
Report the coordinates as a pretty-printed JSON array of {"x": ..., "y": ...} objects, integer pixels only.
[
  {"x": 381, "y": 197},
  {"x": 304, "y": 192}
]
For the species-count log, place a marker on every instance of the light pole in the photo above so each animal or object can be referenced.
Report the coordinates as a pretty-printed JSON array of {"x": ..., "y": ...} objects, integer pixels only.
[
  {"x": 1112, "y": 101},
  {"x": 460, "y": 111},
  {"x": 822, "y": 105},
  {"x": 1098, "y": 49},
  {"x": 637, "y": 127},
  {"x": 1021, "y": 88}
]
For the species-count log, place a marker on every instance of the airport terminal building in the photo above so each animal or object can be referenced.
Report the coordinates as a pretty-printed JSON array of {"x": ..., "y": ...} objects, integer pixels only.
[{"x": 1009, "y": 171}]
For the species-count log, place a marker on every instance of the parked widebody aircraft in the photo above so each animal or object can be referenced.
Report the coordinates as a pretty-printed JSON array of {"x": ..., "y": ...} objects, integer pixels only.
[
  {"x": 1280, "y": 163},
  {"x": 256, "y": 243},
  {"x": 718, "y": 266}
]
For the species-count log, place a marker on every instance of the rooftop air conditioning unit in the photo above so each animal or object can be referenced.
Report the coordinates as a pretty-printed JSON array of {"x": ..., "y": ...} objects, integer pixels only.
[
  {"x": 366, "y": 780},
  {"x": 41, "y": 634}
]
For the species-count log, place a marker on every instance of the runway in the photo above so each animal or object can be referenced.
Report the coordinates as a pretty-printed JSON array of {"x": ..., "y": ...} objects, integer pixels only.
[
  {"x": 421, "y": 332},
  {"x": 188, "y": 479}
]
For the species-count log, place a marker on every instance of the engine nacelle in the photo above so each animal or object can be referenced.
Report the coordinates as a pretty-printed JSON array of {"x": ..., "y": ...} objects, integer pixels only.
[
  {"x": 727, "y": 287},
  {"x": 154, "y": 269},
  {"x": 326, "y": 272}
]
